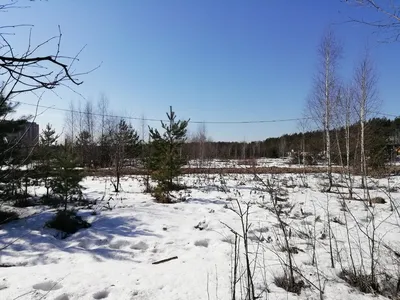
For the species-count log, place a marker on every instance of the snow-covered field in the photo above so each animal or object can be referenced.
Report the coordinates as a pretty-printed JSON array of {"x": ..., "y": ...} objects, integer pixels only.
[
  {"x": 237, "y": 163},
  {"x": 113, "y": 259},
  {"x": 286, "y": 162}
]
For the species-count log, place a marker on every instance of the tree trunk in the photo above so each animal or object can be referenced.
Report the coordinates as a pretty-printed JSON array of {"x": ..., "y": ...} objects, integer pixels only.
[
  {"x": 350, "y": 181},
  {"x": 327, "y": 120}
]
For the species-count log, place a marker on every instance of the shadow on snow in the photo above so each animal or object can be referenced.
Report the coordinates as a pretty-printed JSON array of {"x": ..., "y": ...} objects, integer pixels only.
[{"x": 109, "y": 237}]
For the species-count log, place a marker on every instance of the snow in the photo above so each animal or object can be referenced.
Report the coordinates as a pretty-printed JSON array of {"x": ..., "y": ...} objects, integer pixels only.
[
  {"x": 237, "y": 163},
  {"x": 113, "y": 258}
]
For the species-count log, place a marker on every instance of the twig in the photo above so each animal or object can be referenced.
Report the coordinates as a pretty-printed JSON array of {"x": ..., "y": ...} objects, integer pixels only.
[{"x": 164, "y": 260}]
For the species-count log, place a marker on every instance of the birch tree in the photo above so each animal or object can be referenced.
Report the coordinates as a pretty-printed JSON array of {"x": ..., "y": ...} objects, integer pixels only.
[
  {"x": 320, "y": 103},
  {"x": 366, "y": 100},
  {"x": 104, "y": 124},
  {"x": 346, "y": 106}
]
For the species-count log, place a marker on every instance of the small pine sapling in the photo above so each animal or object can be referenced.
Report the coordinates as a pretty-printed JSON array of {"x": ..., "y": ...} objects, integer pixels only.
[{"x": 166, "y": 162}]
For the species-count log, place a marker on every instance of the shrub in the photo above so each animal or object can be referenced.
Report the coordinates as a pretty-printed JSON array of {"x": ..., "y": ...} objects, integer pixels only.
[
  {"x": 7, "y": 216},
  {"x": 284, "y": 283},
  {"x": 362, "y": 282},
  {"x": 177, "y": 187},
  {"x": 24, "y": 202},
  {"x": 309, "y": 159},
  {"x": 68, "y": 222},
  {"x": 160, "y": 195},
  {"x": 51, "y": 200}
]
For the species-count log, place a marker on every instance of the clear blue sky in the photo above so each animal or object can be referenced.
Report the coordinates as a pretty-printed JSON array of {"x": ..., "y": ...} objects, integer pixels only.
[{"x": 223, "y": 60}]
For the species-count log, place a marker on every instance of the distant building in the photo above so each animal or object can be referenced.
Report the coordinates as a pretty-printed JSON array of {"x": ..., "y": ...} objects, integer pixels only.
[
  {"x": 393, "y": 145},
  {"x": 29, "y": 134},
  {"x": 32, "y": 134}
]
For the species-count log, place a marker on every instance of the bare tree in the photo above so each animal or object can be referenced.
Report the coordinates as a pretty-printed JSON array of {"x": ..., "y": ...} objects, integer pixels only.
[
  {"x": 324, "y": 91},
  {"x": 282, "y": 146},
  {"x": 303, "y": 126},
  {"x": 89, "y": 123},
  {"x": 199, "y": 145},
  {"x": 248, "y": 272},
  {"x": 345, "y": 118},
  {"x": 125, "y": 142},
  {"x": 366, "y": 97},
  {"x": 104, "y": 124},
  {"x": 102, "y": 109},
  {"x": 202, "y": 140},
  {"x": 80, "y": 123},
  {"x": 71, "y": 123},
  {"x": 89, "y": 118},
  {"x": 338, "y": 120},
  {"x": 143, "y": 128}
]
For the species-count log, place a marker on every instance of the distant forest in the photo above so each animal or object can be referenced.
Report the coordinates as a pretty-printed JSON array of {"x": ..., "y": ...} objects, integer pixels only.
[
  {"x": 382, "y": 137},
  {"x": 382, "y": 145}
]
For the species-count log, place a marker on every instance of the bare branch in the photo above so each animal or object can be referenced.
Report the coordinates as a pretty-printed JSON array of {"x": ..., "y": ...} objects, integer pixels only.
[{"x": 390, "y": 21}]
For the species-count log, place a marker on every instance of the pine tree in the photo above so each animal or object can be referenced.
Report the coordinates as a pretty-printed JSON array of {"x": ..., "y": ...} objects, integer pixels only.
[
  {"x": 9, "y": 129},
  {"x": 166, "y": 161},
  {"x": 125, "y": 145},
  {"x": 45, "y": 168},
  {"x": 147, "y": 154},
  {"x": 84, "y": 143},
  {"x": 66, "y": 182},
  {"x": 66, "y": 185},
  {"x": 105, "y": 143},
  {"x": 10, "y": 148}
]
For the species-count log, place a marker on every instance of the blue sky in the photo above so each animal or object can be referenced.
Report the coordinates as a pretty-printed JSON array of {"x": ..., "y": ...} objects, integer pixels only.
[{"x": 224, "y": 60}]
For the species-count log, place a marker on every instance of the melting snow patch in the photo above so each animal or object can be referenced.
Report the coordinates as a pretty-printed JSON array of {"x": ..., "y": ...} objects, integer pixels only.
[
  {"x": 101, "y": 295},
  {"x": 47, "y": 286},
  {"x": 140, "y": 246},
  {"x": 119, "y": 244},
  {"x": 62, "y": 297},
  {"x": 201, "y": 243}
]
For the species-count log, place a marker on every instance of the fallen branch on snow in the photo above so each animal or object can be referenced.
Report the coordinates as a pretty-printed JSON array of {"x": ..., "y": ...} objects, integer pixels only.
[{"x": 164, "y": 260}]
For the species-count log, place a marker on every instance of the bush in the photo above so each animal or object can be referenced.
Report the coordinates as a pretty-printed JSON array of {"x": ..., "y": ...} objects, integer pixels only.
[
  {"x": 24, "y": 202},
  {"x": 362, "y": 282},
  {"x": 309, "y": 159},
  {"x": 161, "y": 196},
  {"x": 7, "y": 216},
  {"x": 51, "y": 200},
  {"x": 15, "y": 196},
  {"x": 68, "y": 222},
  {"x": 284, "y": 283},
  {"x": 177, "y": 187}
]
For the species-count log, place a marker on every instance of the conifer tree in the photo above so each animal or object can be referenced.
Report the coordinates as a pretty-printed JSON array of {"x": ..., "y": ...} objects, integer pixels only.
[
  {"x": 166, "y": 161},
  {"x": 45, "y": 169},
  {"x": 105, "y": 146},
  {"x": 9, "y": 128},
  {"x": 9, "y": 147},
  {"x": 66, "y": 185},
  {"x": 84, "y": 143},
  {"x": 66, "y": 182}
]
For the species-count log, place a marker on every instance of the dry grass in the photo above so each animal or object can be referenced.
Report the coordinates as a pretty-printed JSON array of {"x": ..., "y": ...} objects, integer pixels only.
[
  {"x": 362, "y": 282},
  {"x": 284, "y": 283},
  {"x": 247, "y": 168}
]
